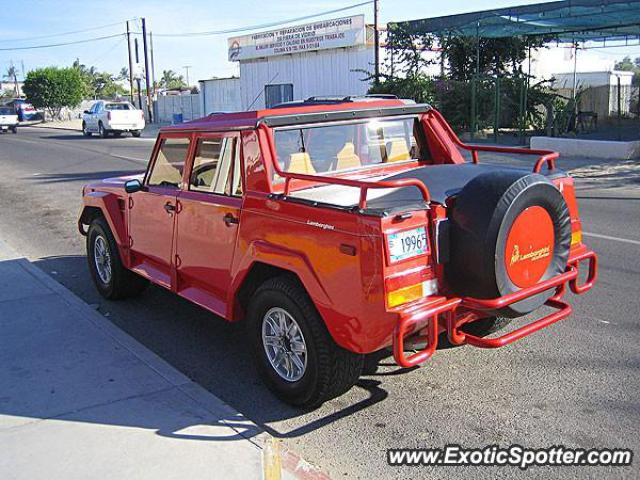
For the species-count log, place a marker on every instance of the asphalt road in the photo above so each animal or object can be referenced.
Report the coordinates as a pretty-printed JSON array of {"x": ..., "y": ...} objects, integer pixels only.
[{"x": 575, "y": 383}]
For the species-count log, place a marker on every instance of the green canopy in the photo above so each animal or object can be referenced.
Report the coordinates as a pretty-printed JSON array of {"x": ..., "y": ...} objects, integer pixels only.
[{"x": 567, "y": 21}]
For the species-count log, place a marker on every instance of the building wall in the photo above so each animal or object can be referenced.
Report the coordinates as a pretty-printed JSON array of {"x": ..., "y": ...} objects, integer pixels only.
[
  {"x": 168, "y": 105},
  {"x": 323, "y": 72},
  {"x": 220, "y": 95}
]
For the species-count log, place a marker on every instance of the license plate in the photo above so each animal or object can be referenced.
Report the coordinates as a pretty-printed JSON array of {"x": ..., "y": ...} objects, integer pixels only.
[{"x": 407, "y": 244}]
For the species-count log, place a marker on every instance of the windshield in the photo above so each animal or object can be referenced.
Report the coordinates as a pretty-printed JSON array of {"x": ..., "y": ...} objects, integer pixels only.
[
  {"x": 328, "y": 148},
  {"x": 118, "y": 106}
]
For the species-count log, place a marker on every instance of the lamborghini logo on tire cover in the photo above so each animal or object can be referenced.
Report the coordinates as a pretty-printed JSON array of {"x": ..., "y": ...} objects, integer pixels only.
[{"x": 533, "y": 256}]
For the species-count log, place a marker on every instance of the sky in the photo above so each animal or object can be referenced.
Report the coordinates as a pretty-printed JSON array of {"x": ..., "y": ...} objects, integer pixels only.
[{"x": 206, "y": 56}]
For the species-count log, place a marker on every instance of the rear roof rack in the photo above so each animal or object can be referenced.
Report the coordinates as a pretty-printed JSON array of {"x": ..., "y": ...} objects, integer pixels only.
[
  {"x": 337, "y": 115},
  {"x": 332, "y": 100}
]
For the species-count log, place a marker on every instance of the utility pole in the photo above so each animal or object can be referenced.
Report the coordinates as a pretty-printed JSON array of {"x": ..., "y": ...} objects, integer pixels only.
[
  {"x": 146, "y": 71},
  {"x": 130, "y": 63},
  {"x": 187, "y": 67},
  {"x": 376, "y": 42},
  {"x": 138, "y": 79},
  {"x": 153, "y": 65}
]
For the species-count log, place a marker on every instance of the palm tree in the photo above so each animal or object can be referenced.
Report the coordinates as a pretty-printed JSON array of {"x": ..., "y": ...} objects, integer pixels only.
[
  {"x": 12, "y": 76},
  {"x": 171, "y": 80}
]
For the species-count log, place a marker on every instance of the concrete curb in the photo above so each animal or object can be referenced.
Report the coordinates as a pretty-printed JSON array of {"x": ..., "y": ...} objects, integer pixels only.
[{"x": 278, "y": 462}]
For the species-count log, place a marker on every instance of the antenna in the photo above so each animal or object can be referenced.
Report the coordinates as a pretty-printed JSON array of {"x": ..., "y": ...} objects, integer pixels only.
[{"x": 261, "y": 92}]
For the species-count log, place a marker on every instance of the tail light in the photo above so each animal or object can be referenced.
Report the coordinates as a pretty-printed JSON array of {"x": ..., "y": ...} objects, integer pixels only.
[
  {"x": 566, "y": 186},
  {"x": 412, "y": 292}
]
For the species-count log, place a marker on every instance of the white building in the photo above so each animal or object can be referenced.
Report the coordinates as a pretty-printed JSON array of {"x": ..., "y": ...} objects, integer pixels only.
[{"x": 323, "y": 58}]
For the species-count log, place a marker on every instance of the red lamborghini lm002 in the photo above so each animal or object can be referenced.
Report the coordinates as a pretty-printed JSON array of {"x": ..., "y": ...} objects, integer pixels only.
[{"x": 339, "y": 227}]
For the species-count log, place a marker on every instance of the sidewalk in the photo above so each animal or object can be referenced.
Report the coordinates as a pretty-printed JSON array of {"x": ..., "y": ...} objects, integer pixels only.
[
  {"x": 150, "y": 131},
  {"x": 79, "y": 398}
]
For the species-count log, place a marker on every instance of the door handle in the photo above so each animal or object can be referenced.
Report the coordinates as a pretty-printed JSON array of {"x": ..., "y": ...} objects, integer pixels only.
[
  {"x": 229, "y": 220},
  {"x": 169, "y": 208}
]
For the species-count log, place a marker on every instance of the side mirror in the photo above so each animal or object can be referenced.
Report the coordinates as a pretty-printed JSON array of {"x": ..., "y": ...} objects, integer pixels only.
[
  {"x": 87, "y": 112},
  {"x": 132, "y": 186}
]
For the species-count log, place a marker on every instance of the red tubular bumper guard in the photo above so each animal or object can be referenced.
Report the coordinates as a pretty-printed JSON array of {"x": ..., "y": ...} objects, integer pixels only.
[{"x": 449, "y": 307}]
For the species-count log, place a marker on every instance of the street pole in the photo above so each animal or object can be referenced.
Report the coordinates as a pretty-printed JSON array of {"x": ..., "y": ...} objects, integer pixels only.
[
  {"x": 187, "y": 67},
  {"x": 153, "y": 65},
  {"x": 146, "y": 70},
  {"x": 130, "y": 63},
  {"x": 138, "y": 79},
  {"x": 376, "y": 42}
]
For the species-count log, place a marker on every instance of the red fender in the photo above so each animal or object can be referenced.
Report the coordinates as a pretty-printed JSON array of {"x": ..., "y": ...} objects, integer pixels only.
[{"x": 110, "y": 208}]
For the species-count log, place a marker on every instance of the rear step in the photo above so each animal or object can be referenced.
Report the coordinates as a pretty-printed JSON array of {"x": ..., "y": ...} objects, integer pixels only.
[{"x": 448, "y": 309}]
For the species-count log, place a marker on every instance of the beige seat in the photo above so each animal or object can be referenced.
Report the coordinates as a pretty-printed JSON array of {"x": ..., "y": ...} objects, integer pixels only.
[
  {"x": 397, "y": 151},
  {"x": 301, "y": 163},
  {"x": 347, "y": 157}
]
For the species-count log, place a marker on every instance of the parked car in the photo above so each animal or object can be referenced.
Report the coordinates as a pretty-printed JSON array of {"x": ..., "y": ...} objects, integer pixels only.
[
  {"x": 106, "y": 118},
  {"x": 24, "y": 110},
  {"x": 8, "y": 120},
  {"x": 340, "y": 229}
]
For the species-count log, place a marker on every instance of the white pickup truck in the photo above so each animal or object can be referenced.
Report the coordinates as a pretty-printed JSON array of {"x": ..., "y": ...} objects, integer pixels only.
[
  {"x": 8, "y": 119},
  {"x": 106, "y": 117}
]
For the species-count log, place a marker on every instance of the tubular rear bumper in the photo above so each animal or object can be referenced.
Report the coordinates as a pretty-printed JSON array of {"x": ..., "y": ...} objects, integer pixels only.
[{"x": 444, "y": 313}]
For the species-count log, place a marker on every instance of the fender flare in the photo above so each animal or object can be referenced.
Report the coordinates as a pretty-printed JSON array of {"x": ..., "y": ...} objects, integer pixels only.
[
  {"x": 108, "y": 204},
  {"x": 284, "y": 258}
]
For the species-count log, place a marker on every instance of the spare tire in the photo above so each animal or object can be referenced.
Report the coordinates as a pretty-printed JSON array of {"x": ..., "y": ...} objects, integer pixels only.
[{"x": 509, "y": 230}]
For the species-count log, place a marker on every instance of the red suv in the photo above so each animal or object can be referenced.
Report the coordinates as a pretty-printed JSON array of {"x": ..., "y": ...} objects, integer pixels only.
[{"x": 339, "y": 228}]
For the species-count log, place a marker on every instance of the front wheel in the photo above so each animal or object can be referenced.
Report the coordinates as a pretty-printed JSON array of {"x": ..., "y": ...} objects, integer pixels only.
[
  {"x": 294, "y": 352},
  {"x": 85, "y": 131},
  {"x": 110, "y": 277}
]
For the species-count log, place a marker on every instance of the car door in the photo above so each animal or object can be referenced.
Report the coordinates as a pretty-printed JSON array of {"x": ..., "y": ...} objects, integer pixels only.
[
  {"x": 152, "y": 211},
  {"x": 208, "y": 220}
]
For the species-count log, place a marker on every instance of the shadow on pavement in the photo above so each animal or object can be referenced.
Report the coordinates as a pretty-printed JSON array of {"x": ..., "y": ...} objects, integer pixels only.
[{"x": 208, "y": 350}]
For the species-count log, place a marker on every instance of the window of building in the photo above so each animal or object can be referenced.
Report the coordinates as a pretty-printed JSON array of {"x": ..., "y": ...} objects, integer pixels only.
[{"x": 278, "y": 93}]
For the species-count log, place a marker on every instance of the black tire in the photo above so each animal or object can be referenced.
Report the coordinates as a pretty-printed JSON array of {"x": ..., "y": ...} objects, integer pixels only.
[
  {"x": 136, "y": 133},
  {"x": 481, "y": 220},
  {"x": 103, "y": 132},
  {"x": 117, "y": 134},
  {"x": 330, "y": 369},
  {"x": 85, "y": 132},
  {"x": 14, "y": 130},
  {"x": 486, "y": 326},
  {"x": 123, "y": 283}
]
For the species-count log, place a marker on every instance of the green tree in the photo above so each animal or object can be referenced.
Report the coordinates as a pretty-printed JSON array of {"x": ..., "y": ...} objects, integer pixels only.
[
  {"x": 54, "y": 88},
  {"x": 171, "y": 80},
  {"x": 627, "y": 65}
]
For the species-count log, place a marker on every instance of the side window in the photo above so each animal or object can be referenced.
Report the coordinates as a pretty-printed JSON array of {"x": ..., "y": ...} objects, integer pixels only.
[
  {"x": 169, "y": 164},
  {"x": 214, "y": 168}
]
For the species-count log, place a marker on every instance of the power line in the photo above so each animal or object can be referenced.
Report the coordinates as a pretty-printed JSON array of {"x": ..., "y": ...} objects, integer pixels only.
[
  {"x": 76, "y": 42},
  {"x": 52, "y": 35},
  {"x": 263, "y": 25}
]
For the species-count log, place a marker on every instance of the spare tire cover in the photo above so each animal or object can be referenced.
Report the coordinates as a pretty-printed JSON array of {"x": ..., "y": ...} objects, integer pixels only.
[{"x": 509, "y": 230}]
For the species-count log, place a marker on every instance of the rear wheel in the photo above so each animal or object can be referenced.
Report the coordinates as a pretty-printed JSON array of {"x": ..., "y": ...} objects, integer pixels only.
[
  {"x": 103, "y": 132},
  {"x": 486, "y": 326},
  {"x": 111, "y": 278},
  {"x": 14, "y": 129},
  {"x": 294, "y": 352},
  {"x": 136, "y": 133}
]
